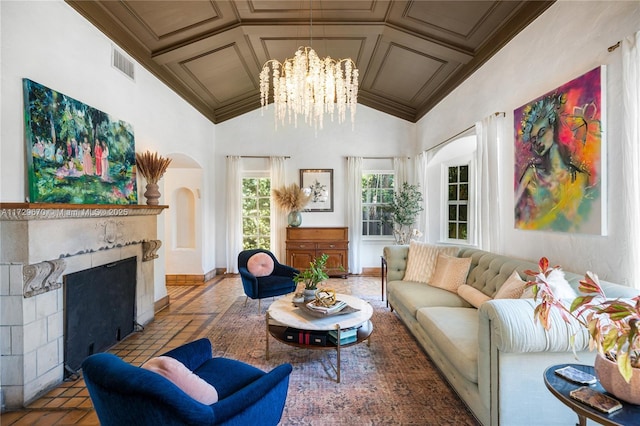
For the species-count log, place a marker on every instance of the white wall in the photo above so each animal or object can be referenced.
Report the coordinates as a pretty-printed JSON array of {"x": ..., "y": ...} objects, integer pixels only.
[
  {"x": 50, "y": 43},
  {"x": 375, "y": 135},
  {"x": 569, "y": 39}
]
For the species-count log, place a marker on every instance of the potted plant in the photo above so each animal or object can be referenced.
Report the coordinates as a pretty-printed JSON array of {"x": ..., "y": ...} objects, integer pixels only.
[
  {"x": 291, "y": 199},
  {"x": 612, "y": 325},
  {"x": 313, "y": 275},
  {"x": 403, "y": 211}
]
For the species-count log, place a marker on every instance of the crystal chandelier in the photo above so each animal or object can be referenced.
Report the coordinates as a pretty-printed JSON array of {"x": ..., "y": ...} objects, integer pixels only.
[{"x": 310, "y": 86}]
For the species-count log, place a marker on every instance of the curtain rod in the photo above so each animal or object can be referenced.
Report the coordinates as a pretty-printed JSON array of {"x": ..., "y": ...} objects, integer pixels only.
[
  {"x": 258, "y": 156},
  {"x": 381, "y": 158},
  {"x": 444, "y": 142}
]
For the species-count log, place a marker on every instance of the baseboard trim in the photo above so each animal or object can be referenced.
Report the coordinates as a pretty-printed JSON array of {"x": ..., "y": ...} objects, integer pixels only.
[
  {"x": 370, "y": 272},
  {"x": 160, "y": 304},
  {"x": 189, "y": 279}
]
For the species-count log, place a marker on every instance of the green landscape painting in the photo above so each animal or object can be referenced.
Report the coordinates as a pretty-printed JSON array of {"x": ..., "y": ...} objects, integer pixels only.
[{"x": 76, "y": 154}]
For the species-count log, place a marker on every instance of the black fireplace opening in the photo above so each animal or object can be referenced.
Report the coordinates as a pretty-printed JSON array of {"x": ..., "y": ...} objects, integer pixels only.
[{"x": 99, "y": 306}]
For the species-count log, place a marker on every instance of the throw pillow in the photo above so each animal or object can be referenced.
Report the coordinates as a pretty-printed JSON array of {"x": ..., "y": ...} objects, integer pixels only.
[
  {"x": 421, "y": 261},
  {"x": 260, "y": 264},
  {"x": 451, "y": 272},
  {"x": 512, "y": 288},
  {"x": 177, "y": 373},
  {"x": 560, "y": 287},
  {"x": 472, "y": 295}
]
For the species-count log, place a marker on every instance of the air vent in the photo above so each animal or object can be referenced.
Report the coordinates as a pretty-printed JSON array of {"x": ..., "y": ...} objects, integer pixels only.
[{"x": 121, "y": 62}]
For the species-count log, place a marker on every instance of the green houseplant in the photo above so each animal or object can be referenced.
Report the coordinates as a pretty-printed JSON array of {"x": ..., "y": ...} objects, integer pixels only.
[
  {"x": 403, "y": 211},
  {"x": 612, "y": 325},
  {"x": 314, "y": 274}
]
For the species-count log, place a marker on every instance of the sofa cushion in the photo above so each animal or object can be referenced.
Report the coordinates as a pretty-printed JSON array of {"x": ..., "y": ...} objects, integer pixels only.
[
  {"x": 413, "y": 296},
  {"x": 472, "y": 295},
  {"x": 455, "y": 332},
  {"x": 450, "y": 273},
  {"x": 422, "y": 258},
  {"x": 512, "y": 288},
  {"x": 177, "y": 373}
]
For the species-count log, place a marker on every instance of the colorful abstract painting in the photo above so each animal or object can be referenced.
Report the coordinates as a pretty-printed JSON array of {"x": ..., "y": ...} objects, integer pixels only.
[
  {"x": 76, "y": 154},
  {"x": 559, "y": 158}
]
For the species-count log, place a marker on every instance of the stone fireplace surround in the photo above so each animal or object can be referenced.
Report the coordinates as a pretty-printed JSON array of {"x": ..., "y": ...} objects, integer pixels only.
[{"x": 40, "y": 243}]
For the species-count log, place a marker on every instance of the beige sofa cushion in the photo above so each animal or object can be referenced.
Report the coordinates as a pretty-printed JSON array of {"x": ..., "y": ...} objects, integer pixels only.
[
  {"x": 512, "y": 288},
  {"x": 472, "y": 295},
  {"x": 422, "y": 259},
  {"x": 455, "y": 332},
  {"x": 451, "y": 272}
]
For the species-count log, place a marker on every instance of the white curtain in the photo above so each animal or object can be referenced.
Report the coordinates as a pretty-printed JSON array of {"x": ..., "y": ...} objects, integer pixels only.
[
  {"x": 631, "y": 152},
  {"x": 420, "y": 178},
  {"x": 278, "y": 217},
  {"x": 234, "y": 212},
  {"x": 400, "y": 170},
  {"x": 489, "y": 134},
  {"x": 354, "y": 212}
]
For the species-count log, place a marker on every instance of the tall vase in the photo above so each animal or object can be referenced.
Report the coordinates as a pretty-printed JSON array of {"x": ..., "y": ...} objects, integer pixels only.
[
  {"x": 294, "y": 219},
  {"x": 152, "y": 194}
]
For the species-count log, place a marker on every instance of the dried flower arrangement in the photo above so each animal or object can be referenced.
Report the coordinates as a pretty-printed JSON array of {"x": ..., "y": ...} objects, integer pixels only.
[
  {"x": 152, "y": 166},
  {"x": 291, "y": 198}
]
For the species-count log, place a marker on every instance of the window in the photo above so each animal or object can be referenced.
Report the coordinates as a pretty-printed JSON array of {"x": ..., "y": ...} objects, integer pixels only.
[
  {"x": 458, "y": 207},
  {"x": 256, "y": 213},
  {"x": 377, "y": 192}
]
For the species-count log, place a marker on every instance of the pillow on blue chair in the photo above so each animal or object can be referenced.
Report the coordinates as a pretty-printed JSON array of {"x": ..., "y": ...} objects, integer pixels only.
[
  {"x": 260, "y": 265},
  {"x": 177, "y": 373}
]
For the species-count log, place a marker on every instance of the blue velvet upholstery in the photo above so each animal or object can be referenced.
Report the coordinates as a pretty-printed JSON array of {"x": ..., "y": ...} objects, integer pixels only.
[
  {"x": 278, "y": 283},
  {"x": 123, "y": 394}
]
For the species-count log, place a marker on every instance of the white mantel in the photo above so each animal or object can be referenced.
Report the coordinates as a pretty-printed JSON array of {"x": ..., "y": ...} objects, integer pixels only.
[{"x": 40, "y": 243}]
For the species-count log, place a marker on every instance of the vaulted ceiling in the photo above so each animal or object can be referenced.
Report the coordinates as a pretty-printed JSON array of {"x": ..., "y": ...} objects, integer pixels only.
[{"x": 410, "y": 54}]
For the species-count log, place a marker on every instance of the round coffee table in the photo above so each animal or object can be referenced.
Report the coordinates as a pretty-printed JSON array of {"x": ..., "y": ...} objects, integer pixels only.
[{"x": 283, "y": 315}]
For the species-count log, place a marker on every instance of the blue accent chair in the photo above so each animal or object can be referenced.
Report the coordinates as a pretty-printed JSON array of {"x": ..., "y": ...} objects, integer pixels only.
[
  {"x": 278, "y": 283},
  {"x": 123, "y": 394}
]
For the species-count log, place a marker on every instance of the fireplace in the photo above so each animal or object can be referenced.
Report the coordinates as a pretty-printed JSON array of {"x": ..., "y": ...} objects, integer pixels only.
[
  {"x": 42, "y": 247},
  {"x": 99, "y": 310}
]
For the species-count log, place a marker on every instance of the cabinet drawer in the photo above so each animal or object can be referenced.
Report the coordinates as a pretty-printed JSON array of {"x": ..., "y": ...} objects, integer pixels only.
[
  {"x": 333, "y": 246},
  {"x": 301, "y": 246}
]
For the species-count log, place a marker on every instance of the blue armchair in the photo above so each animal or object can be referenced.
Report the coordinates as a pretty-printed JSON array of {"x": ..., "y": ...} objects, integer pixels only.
[
  {"x": 123, "y": 394},
  {"x": 259, "y": 285}
]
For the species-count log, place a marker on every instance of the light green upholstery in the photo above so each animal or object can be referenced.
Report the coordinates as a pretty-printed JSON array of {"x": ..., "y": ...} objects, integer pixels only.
[{"x": 494, "y": 356}]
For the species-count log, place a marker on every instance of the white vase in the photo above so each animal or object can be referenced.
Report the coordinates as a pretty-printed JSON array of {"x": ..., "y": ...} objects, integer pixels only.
[
  {"x": 613, "y": 382},
  {"x": 309, "y": 294}
]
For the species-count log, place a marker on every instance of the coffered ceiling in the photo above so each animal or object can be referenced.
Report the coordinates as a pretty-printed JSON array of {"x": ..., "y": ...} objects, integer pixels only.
[{"x": 410, "y": 54}]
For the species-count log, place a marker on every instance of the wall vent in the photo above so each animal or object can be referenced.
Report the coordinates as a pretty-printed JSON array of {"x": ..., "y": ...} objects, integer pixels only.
[{"x": 121, "y": 62}]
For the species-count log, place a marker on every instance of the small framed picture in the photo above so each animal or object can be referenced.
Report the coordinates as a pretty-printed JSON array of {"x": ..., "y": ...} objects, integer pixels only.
[{"x": 319, "y": 184}]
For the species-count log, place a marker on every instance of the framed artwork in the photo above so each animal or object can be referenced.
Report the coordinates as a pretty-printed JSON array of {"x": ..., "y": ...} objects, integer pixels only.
[
  {"x": 76, "y": 154},
  {"x": 319, "y": 184},
  {"x": 560, "y": 158}
]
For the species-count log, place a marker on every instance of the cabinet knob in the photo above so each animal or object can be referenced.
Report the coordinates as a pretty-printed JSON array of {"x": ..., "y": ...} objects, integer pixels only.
[{"x": 331, "y": 245}]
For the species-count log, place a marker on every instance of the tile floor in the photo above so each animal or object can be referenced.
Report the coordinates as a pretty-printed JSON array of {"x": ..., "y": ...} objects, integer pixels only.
[{"x": 191, "y": 314}]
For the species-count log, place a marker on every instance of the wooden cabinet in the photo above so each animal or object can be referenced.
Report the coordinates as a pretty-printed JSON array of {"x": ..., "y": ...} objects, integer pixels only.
[{"x": 305, "y": 244}]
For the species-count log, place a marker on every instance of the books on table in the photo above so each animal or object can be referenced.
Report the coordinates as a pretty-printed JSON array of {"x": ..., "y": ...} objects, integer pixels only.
[{"x": 336, "y": 307}]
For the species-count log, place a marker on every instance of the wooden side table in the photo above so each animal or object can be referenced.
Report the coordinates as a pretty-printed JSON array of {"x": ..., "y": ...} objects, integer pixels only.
[{"x": 628, "y": 415}]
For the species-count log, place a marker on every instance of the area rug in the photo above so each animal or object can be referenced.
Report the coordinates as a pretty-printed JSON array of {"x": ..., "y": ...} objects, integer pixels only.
[{"x": 390, "y": 382}]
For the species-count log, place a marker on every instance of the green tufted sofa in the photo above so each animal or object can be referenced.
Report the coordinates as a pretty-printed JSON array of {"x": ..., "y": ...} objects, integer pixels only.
[{"x": 494, "y": 357}]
